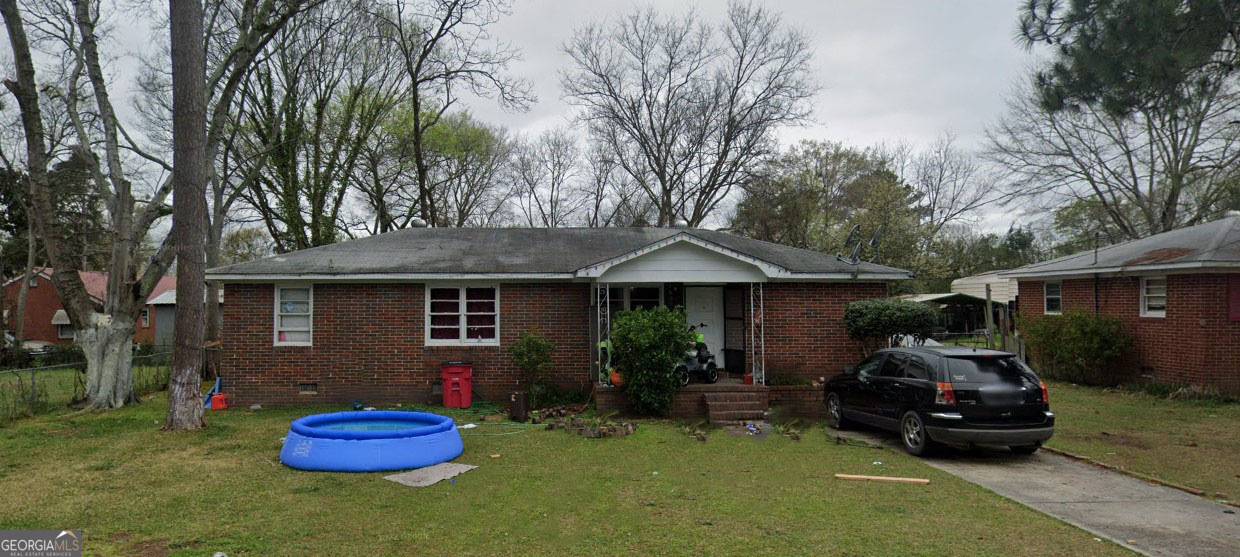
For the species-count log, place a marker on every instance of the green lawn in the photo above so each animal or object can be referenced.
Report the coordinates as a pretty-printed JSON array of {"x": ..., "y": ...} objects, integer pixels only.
[
  {"x": 1192, "y": 443},
  {"x": 134, "y": 489}
]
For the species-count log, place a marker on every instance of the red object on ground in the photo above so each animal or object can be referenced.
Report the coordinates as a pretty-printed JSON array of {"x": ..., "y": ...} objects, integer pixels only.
[
  {"x": 458, "y": 384},
  {"x": 749, "y": 379},
  {"x": 219, "y": 402}
]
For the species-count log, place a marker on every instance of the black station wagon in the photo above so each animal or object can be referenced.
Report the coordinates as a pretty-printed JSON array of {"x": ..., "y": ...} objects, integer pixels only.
[{"x": 938, "y": 395}]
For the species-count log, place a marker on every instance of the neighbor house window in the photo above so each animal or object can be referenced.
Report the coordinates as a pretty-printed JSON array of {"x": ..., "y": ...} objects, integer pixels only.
[
  {"x": 1153, "y": 296},
  {"x": 1052, "y": 293},
  {"x": 146, "y": 317},
  {"x": 64, "y": 331},
  {"x": 462, "y": 315},
  {"x": 294, "y": 315}
]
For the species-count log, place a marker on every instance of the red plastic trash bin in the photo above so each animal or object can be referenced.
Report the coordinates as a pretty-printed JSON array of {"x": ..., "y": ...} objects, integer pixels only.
[{"x": 458, "y": 384}]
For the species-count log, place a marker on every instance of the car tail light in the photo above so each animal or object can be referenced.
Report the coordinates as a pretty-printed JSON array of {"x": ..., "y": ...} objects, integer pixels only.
[
  {"x": 945, "y": 395},
  {"x": 1046, "y": 398}
]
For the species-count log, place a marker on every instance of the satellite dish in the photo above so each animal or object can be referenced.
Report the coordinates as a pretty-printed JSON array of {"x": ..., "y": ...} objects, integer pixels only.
[
  {"x": 417, "y": 222},
  {"x": 680, "y": 223},
  {"x": 874, "y": 240},
  {"x": 854, "y": 235}
]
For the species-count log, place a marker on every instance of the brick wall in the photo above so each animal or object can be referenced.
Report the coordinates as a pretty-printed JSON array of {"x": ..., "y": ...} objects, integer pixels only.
[
  {"x": 368, "y": 340},
  {"x": 799, "y": 400},
  {"x": 805, "y": 327},
  {"x": 1195, "y": 343},
  {"x": 41, "y": 304},
  {"x": 368, "y": 344},
  {"x": 688, "y": 402}
]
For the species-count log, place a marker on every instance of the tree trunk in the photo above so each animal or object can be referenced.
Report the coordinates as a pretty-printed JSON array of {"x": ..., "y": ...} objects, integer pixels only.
[
  {"x": 108, "y": 346},
  {"x": 189, "y": 215},
  {"x": 212, "y": 333},
  {"x": 19, "y": 327}
]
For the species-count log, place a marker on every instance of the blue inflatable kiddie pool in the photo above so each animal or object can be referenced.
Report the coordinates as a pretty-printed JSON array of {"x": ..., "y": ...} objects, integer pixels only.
[{"x": 370, "y": 441}]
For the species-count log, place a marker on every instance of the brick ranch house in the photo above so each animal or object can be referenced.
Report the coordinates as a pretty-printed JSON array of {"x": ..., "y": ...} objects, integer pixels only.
[
  {"x": 1178, "y": 294},
  {"x": 374, "y": 318},
  {"x": 46, "y": 322}
]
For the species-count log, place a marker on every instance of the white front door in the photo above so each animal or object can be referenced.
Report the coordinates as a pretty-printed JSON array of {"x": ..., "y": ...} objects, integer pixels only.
[{"x": 704, "y": 309}]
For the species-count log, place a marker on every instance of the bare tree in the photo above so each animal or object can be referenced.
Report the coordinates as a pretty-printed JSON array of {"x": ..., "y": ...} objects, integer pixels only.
[
  {"x": 105, "y": 334},
  {"x": 544, "y": 169},
  {"x": 323, "y": 88},
  {"x": 686, "y": 107},
  {"x": 468, "y": 161},
  {"x": 189, "y": 211},
  {"x": 445, "y": 46},
  {"x": 949, "y": 183},
  {"x": 114, "y": 164},
  {"x": 239, "y": 32},
  {"x": 1153, "y": 170}
]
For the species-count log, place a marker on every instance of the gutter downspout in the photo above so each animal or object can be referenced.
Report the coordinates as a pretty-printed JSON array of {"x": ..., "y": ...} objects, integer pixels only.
[{"x": 1097, "y": 304}]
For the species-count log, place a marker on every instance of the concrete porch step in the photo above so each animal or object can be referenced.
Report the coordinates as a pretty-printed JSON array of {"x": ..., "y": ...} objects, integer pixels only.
[
  {"x": 740, "y": 396},
  {"x": 752, "y": 405},
  {"x": 726, "y": 416}
]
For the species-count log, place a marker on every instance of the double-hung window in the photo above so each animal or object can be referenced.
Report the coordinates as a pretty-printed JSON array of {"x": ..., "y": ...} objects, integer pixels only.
[
  {"x": 146, "y": 317},
  {"x": 1153, "y": 296},
  {"x": 294, "y": 315},
  {"x": 462, "y": 315},
  {"x": 1052, "y": 295}
]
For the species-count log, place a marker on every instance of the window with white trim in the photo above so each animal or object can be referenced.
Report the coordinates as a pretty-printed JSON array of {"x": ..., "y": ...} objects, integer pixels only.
[
  {"x": 294, "y": 315},
  {"x": 462, "y": 315},
  {"x": 1153, "y": 296},
  {"x": 146, "y": 318},
  {"x": 64, "y": 331},
  {"x": 1052, "y": 296}
]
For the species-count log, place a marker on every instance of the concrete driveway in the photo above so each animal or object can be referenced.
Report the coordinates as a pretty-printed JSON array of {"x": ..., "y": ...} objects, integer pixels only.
[{"x": 1144, "y": 517}]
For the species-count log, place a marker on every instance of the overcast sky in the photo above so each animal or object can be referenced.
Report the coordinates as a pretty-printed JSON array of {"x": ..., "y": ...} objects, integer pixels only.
[
  {"x": 908, "y": 69},
  {"x": 890, "y": 70}
]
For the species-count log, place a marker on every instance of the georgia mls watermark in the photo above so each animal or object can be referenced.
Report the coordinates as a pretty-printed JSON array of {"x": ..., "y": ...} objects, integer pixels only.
[{"x": 40, "y": 543}]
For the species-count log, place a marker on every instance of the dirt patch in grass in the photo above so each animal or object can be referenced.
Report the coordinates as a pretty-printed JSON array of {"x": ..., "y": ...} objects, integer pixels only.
[{"x": 1119, "y": 439}]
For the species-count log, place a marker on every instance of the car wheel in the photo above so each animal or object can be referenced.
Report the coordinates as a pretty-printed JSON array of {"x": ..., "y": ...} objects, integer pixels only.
[
  {"x": 683, "y": 374},
  {"x": 712, "y": 373},
  {"x": 1025, "y": 449},
  {"x": 835, "y": 412},
  {"x": 913, "y": 435}
]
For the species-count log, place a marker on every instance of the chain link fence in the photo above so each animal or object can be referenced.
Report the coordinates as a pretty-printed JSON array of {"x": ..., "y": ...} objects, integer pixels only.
[{"x": 34, "y": 390}]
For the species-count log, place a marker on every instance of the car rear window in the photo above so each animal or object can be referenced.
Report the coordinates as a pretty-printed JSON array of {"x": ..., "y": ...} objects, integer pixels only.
[{"x": 987, "y": 370}]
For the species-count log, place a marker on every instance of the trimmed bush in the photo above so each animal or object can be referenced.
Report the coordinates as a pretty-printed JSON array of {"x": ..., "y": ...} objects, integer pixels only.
[
  {"x": 1079, "y": 346},
  {"x": 648, "y": 344},
  {"x": 531, "y": 353},
  {"x": 881, "y": 322}
]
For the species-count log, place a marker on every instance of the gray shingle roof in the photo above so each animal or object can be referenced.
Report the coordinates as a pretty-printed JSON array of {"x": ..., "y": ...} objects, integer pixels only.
[
  {"x": 468, "y": 251},
  {"x": 1214, "y": 244}
]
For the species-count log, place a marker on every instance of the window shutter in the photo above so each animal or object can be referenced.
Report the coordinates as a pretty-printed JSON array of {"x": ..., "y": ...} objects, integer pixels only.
[{"x": 1233, "y": 297}]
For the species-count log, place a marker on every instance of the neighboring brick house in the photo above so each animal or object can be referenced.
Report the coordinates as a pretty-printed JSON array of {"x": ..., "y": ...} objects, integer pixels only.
[
  {"x": 374, "y": 318},
  {"x": 46, "y": 321},
  {"x": 1178, "y": 294}
]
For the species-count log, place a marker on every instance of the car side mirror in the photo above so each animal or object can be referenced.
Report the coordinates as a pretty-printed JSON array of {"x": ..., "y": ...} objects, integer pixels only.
[{"x": 850, "y": 370}]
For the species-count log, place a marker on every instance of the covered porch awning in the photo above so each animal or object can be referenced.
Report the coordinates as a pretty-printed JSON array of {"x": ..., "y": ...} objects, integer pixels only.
[{"x": 715, "y": 285}]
